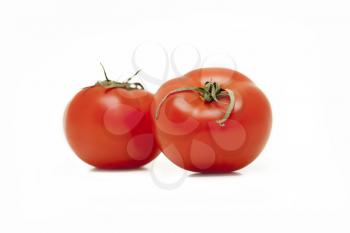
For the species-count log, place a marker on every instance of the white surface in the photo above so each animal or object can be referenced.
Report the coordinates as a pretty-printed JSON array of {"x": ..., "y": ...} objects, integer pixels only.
[{"x": 296, "y": 51}]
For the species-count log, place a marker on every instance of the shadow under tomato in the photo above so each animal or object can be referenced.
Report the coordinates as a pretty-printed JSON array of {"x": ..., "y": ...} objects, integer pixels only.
[
  {"x": 225, "y": 174},
  {"x": 102, "y": 170}
]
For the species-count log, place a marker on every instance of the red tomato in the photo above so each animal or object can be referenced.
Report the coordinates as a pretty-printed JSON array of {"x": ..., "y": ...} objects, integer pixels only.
[
  {"x": 109, "y": 125},
  {"x": 211, "y": 120}
]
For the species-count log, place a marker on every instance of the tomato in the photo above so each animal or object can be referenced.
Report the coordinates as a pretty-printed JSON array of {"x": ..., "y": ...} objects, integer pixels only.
[
  {"x": 211, "y": 120},
  {"x": 109, "y": 125}
]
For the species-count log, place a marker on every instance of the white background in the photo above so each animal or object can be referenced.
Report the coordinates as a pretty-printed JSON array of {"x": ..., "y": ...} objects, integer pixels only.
[{"x": 296, "y": 51}]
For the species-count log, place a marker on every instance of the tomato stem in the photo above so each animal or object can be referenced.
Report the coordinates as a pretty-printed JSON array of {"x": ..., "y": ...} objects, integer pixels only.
[
  {"x": 104, "y": 71},
  {"x": 110, "y": 84},
  {"x": 210, "y": 92}
]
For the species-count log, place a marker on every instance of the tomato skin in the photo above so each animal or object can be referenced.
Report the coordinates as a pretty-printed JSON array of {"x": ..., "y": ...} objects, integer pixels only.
[
  {"x": 111, "y": 128},
  {"x": 186, "y": 127}
]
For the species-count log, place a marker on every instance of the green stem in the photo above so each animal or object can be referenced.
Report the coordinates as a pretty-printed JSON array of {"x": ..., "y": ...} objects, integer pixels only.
[
  {"x": 181, "y": 89},
  {"x": 110, "y": 84},
  {"x": 209, "y": 93},
  {"x": 104, "y": 71},
  {"x": 229, "y": 109}
]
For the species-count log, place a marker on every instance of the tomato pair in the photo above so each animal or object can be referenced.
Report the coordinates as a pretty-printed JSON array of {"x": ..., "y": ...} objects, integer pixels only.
[{"x": 209, "y": 120}]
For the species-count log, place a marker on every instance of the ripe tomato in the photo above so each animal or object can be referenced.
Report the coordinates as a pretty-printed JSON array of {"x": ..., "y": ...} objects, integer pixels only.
[
  {"x": 211, "y": 120},
  {"x": 109, "y": 125}
]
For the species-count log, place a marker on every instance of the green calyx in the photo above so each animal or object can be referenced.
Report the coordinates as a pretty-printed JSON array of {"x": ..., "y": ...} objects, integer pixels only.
[
  {"x": 210, "y": 92},
  {"x": 110, "y": 84}
]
